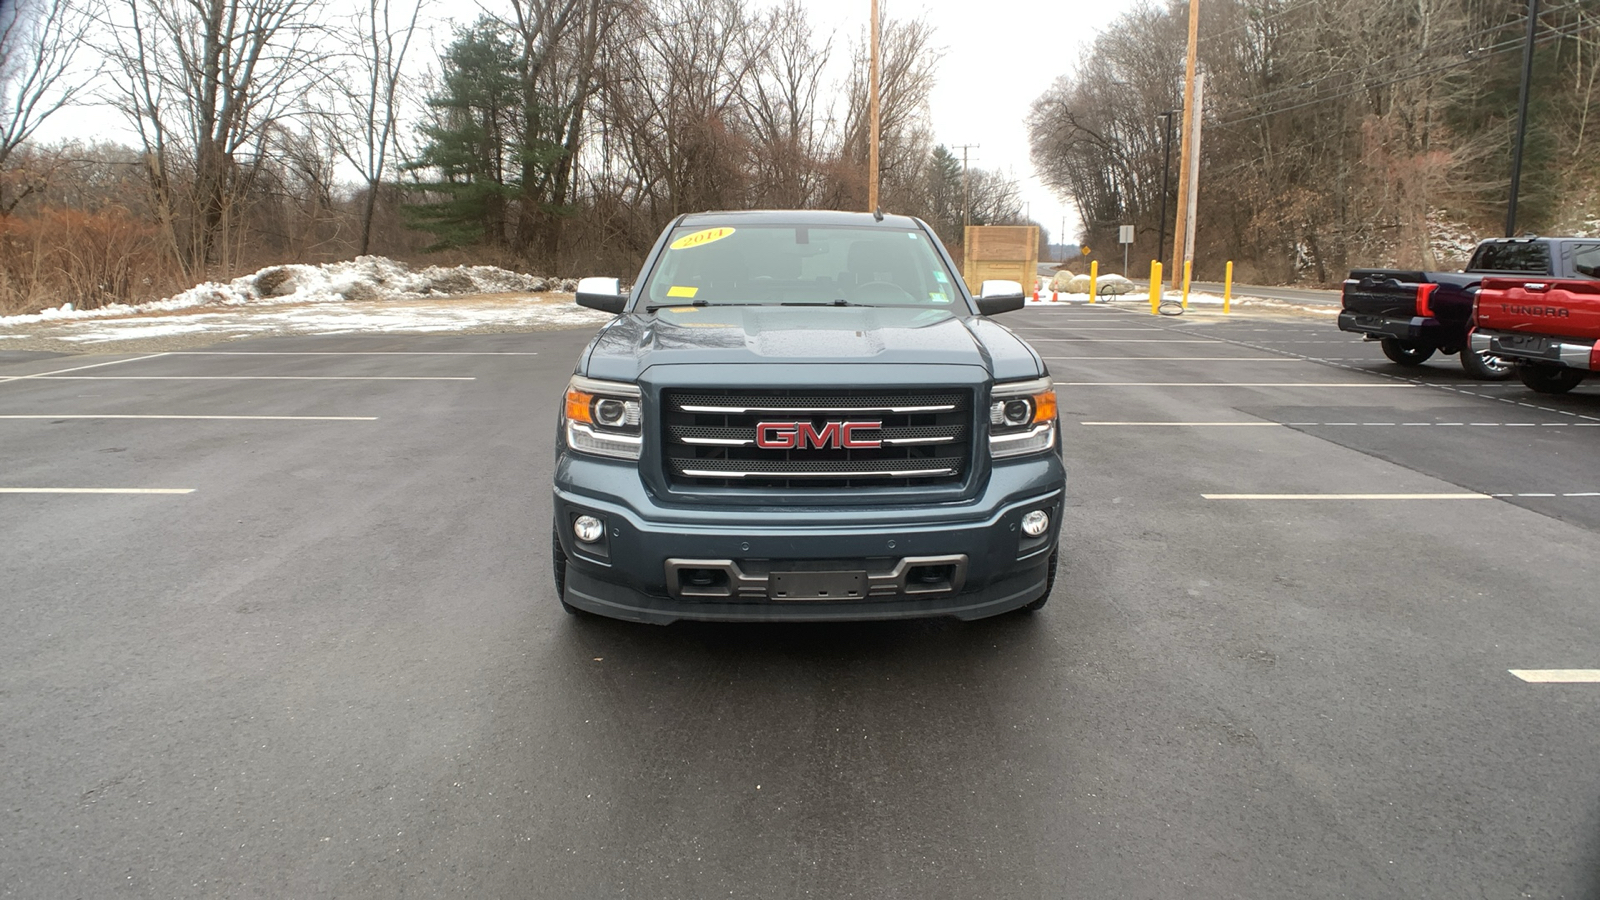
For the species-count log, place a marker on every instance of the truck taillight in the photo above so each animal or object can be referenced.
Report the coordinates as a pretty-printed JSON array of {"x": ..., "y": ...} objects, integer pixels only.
[
  {"x": 1424, "y": 292},
  {"x": 1594, "y": 357}
]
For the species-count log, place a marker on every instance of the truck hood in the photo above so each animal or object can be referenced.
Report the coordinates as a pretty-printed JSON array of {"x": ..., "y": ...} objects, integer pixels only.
[{"x": 632, "y": 343}]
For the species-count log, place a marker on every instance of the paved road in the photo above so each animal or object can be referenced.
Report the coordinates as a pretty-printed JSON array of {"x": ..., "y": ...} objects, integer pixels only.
[{"x": 336, "y": 668}]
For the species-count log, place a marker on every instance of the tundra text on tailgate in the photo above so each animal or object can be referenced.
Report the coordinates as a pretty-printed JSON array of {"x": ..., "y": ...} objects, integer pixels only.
[{"x": 805, "y": 416}]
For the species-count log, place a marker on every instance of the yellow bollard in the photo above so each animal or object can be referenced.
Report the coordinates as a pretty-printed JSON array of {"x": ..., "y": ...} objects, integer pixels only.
[
  {"x": 1227, "y": 288},
  {"x": 1094, "y": 278},
  {"x": 1188, "y": 266},
  {"x": 1155, "y": 287}
]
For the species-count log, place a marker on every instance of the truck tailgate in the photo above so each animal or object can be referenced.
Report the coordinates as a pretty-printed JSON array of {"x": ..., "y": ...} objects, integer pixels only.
[
  {"x": 1390, "y": 293},
  {"x": 1557, "y": 307}
]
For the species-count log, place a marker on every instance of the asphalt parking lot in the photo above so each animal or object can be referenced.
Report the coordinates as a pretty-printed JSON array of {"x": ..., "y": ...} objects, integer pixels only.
[{"x": 277, "y": 622}]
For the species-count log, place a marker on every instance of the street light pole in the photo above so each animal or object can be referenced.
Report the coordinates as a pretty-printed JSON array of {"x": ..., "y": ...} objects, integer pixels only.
[{"x": 1522, "y": 118}]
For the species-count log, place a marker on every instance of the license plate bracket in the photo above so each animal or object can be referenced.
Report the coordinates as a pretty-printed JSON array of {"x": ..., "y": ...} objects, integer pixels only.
[
  {"x": 848, "y": 584},
  {"x": 1525, "y": 345}
]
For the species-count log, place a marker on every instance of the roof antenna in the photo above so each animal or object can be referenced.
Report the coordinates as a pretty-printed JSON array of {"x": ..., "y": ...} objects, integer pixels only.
[{"x": 877, "y": 214}]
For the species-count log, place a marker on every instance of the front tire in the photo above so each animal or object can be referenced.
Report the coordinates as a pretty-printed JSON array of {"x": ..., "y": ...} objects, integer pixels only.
[
  {"x": 1550, "y": 379},
  {"x": 1404, "y": 352},
  {"x": 1049, "y": 583},
  {"x": 1487, "y": 367}
]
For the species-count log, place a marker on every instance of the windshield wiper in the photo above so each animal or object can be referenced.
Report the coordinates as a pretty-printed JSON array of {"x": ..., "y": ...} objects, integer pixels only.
[
  {"x": 655, "y": 306},
  {"x": 837, "y": 301}
]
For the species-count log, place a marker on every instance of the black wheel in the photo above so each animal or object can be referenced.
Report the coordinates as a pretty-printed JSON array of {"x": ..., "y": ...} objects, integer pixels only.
[
  {"x": 558, "y": 569},
  {"x": 1486, "y": 367},
  {"x": 1406, "y": 353},
  {"x": 1049, "y": 582},
  {"x": 1550, "y": 379}
]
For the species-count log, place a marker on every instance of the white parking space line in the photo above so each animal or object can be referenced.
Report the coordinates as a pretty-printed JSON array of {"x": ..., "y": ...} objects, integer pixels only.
[
  {"x": 1558, "y": 676},
  {"x": 1548, "y": 495},
  {"x": 354, "y": 353},
  {"x": 1463, "y": 496},
  {"x": 1316, "y": 384},
  {"x": 219, "y": 418},
  {"x": 1353, "y": 424},
  {"x": 1116, "y": 341},
  {"x": 56, "y": 372},
  {"x": 256, "y": 378},
  {"x": 1191, "y": 424},
  {"x": 19, "y": 490},
  {"x": 1277, "y": 359}
]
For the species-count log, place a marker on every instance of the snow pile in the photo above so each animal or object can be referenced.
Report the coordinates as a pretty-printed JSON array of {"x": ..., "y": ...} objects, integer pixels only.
[
  {"x": 1113, "y": 284},
  {"x": 365, "y": 278}
]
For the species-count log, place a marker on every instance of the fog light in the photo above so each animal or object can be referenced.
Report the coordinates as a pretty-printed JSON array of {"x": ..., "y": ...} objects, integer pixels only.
[
  {"x": 589, "y": 529},
  {"x": 1034, "y": 523}
]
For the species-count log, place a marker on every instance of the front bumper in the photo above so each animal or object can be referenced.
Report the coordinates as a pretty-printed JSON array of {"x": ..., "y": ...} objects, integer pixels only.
[
  {"x": 986, "y": 564},
  {"x": 1575, "y": 353},
  {"x": 1413, "y": 329}
]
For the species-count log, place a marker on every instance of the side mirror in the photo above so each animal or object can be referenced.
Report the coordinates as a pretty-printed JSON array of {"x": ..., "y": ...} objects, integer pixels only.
[
  {"x": 603, "y": 294},
  {"x": 996, "y": 297}
]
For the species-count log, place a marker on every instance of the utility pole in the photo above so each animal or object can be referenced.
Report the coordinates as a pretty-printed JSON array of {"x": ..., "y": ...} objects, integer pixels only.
[
  {"x": 1167, "y": 173},
  {"x": 1522, "y": 118},
  {"x": 872, "y": 150},
  {"x": 1192, "y": 201},
  {"x": 966, "y": 194},
  {"x": 1183, "y": 154}
]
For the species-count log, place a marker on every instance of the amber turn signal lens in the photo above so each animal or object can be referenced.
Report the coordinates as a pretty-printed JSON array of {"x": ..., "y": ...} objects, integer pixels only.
[
  {"x": 1044, "y": 406},
  {"x": 578, "y": 405}
]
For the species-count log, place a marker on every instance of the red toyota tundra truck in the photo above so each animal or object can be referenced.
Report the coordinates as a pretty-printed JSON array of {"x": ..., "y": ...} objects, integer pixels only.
[{"x": 1548, "y": 328}]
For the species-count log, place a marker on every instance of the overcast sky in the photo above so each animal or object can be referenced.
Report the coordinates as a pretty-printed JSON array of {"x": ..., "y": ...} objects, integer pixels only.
[{"x": 1000, "y": 55}]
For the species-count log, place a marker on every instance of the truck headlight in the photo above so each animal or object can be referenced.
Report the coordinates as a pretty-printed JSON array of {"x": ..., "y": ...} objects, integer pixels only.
[
  {"x": 1022, "y": 418},
  {"x": 604, "y": 418}
]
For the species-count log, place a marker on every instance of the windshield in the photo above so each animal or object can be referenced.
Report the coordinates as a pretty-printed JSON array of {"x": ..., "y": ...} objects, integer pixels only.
[{"x": 797, "y": 265}]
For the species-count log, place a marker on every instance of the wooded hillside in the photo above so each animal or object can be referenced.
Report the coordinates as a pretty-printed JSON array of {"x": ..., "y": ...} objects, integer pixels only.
[{"x": 1336, "y": 133}]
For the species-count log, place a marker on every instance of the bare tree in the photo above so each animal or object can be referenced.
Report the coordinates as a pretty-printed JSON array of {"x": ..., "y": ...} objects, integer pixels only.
[
  {"x": 791, "y": 129},
  {"x": 364, "y": 129},
  {"x": 39, "y": 42},
  {"x": 909, "y": 65},
  {"x": 201, "y": 81}
]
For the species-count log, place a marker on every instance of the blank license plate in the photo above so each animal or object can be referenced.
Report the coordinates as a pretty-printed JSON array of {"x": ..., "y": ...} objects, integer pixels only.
[
  {"x": 1526, "y": 344},
  {"x": 817, "y": 585}
]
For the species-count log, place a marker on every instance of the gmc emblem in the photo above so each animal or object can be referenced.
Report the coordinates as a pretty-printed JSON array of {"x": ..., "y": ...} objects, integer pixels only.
[{"x": 803, "y": 435}]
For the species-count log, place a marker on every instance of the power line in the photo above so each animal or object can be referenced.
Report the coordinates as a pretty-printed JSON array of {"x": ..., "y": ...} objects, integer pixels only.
[
  {"x": 1456, "y": 64},
  {"x": 1426, "y": 51}
]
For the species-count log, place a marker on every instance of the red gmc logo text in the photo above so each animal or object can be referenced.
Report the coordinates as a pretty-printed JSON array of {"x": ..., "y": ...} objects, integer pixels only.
[{"x": 801, "y": 435}]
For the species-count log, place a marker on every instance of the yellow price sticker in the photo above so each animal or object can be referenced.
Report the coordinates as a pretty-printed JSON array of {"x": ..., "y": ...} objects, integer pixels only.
[
  {"x": 680, "y": 291},
  {"x": 701, "y": 238}
]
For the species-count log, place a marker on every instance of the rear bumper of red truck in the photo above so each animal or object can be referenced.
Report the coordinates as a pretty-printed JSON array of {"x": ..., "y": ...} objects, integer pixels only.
[{"x": 1574, "y": 353}]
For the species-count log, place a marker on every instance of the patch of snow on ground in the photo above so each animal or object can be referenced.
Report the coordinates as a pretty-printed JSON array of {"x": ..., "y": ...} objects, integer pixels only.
[
  {"x": 362, "y": 278},
  {"x": 366, "y": 294}
]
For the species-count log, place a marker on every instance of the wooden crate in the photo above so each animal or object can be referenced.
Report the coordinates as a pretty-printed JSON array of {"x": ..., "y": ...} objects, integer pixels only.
[{"x": 1009, "y": 252}]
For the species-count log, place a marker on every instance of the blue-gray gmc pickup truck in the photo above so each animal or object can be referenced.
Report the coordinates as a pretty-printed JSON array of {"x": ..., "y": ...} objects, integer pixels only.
[{"x": 803, "y": 416}]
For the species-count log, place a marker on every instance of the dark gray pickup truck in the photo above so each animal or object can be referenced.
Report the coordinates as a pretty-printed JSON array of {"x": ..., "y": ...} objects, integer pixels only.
[
  {"x": 1416, "y": 314},
  {"x": 805, "y": 416}
]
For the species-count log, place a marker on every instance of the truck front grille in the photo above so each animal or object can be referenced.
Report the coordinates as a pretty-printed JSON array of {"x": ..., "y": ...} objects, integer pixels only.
[{"x": 923, "y": 437}]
